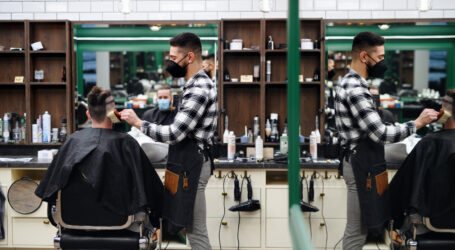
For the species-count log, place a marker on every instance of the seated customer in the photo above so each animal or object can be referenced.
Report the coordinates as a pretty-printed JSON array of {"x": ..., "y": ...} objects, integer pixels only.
[
  {"x": 113, "y": 164},
  {"x": 424, "y": 183},
  {"x": 164, "y": 113}
]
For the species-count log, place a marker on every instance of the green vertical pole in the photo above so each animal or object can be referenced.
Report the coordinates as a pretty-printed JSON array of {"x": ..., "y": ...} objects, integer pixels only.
[
  {"x": 301, "y": 239},
  {"x": 293, "y": 89}
]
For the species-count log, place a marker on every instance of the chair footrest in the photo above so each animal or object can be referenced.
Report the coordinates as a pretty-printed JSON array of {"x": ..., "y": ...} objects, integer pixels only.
[
  {"x": 428, "y": 244},
  {"x": 71, "y": 241}
]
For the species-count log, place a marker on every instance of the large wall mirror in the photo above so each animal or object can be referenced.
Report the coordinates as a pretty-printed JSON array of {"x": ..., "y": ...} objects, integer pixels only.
[
  {"x": 419, "y": 58},
  {"x": 130, "y": 60}
]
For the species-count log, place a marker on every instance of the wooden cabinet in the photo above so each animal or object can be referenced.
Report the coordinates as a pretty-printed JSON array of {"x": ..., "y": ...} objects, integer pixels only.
[
  {"x": 54, "y": 93},
  {"x": 241, "y": 101}
]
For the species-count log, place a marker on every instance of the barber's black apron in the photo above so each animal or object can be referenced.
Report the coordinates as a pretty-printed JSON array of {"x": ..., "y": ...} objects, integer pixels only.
[
  {"x": 370, "y": 173},
  {"x": 184, "y": 159}
]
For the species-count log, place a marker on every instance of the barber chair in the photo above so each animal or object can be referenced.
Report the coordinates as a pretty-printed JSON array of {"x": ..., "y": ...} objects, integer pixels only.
[
  {"x": 84, "y": 223},
  {"x": 424, "y": 233}
]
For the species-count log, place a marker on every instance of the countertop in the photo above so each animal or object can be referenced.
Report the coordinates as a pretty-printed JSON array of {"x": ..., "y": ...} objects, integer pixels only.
[{"x": 222, "y": 164}]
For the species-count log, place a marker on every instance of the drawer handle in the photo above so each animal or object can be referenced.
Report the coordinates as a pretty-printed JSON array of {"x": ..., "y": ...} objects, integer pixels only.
[
  {"x": 224, "y": 223},
  {"x": 46, "y": 222},
  {"x": 322, "y": 224}
]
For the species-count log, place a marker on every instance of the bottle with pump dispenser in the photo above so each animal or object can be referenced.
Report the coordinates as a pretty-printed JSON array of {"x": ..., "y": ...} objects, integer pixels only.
[
  {"x": 231, "y": 146},
  {"x": 259, "y": 148},
  {"x": 268, "y": 131}
]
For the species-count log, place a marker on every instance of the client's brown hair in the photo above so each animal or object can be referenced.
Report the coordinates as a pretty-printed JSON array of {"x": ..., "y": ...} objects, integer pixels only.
[{"x": 97, "y": 103}]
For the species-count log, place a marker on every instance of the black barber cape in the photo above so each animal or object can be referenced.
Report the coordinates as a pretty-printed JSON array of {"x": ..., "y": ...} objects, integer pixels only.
[
  {"x": 115, "y": 166},
  {"x": 425, "y": 181}
]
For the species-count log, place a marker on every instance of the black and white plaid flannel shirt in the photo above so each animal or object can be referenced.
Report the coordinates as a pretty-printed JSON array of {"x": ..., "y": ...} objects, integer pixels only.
[
  {"x": 197, "y": 115},
  {"x": 357, "y": 118}
]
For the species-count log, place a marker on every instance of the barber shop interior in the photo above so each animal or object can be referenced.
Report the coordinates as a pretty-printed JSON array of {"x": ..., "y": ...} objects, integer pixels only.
[{"x": 227, "y": 124}]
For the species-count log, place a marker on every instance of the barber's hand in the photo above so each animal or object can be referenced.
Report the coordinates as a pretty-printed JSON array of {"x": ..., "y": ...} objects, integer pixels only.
[
  {"x": 427, "y": 116},
  {"x": 131, "y": 118}
]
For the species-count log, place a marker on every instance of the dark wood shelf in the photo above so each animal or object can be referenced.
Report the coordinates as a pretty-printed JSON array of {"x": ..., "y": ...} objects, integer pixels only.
[
  {"x": 310, "y": 50},
  {"x": 12, "y": 83},
  {"x": 276, "y": 83},
  {"x": 243, "y": 103},
  {"x": 45, "y": 144},
  {"x": 285, "y": 83},
  {"x": 7, "y": 52},
  {"x": 241, "y": 83},
  {"x": 243, "y": 51},
  {"x": 48, "y": 83},
  {"x": 31, "y": 97},
  {"x": 311, "y": 83},
  {"x": 62, "y": 52},
  {"x": 276, "y": 51}
]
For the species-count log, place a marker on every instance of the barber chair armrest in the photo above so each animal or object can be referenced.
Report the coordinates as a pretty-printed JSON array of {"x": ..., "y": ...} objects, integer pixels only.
[{"x": 70, "y": 240}]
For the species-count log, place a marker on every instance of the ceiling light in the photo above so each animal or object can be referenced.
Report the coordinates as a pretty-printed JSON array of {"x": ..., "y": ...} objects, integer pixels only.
[
  {"x": 155, "y": 28},
  {"x": 424, "y": 5},
  {"x": 265, "y": 6},
  {"x": 125, "y": 6},
  {"x": 384, "y": 26}
]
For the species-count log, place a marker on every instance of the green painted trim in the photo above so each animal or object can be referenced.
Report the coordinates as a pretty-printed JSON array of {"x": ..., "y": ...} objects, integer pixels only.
[
  {"x": 139, "y": 46},
  {"x": 143, "y": 31},
  {"x": 394, "y": 30},
  {"x": 430, "y": 44}
]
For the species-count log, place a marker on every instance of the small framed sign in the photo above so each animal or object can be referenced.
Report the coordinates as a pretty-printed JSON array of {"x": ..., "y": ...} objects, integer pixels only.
[
  {"x": 39, "y": 75},
  {"x": 18, "y": 79}
]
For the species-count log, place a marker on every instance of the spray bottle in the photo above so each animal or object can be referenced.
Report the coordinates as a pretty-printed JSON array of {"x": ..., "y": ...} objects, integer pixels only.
[{"x": 226, "y": 130}]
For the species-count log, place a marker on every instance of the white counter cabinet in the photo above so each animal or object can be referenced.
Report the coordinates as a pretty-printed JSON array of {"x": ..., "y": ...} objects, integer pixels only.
[{"x": 263, "y": 229}]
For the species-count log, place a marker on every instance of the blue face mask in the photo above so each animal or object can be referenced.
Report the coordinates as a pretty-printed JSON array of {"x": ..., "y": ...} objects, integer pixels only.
[{"x": 164, "y": 104}]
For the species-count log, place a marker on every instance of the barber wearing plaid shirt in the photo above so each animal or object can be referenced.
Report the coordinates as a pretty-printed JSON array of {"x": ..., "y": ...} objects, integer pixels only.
[
  {"x": 190, "y": 136},
  {"x": 363, "y": 135}
]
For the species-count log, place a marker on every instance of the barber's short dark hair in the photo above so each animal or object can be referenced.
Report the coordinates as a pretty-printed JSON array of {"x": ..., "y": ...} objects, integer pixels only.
[
  {"x": 188, "y": 41},
  {"x": 97, "y": 103},
  {"x": 366, "y": 41}
]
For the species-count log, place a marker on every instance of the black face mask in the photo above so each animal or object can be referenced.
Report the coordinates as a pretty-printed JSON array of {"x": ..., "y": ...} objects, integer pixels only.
[
  {"x": 175, "y": 69},
  {"x": 377, "y": 70},
  {"x": 331, "y": 74}
]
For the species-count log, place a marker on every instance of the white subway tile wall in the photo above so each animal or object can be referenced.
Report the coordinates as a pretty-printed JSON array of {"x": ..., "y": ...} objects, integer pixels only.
[{"x": 85, "y": 10}]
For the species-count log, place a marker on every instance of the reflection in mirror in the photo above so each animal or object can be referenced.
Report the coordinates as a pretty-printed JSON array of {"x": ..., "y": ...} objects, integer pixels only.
[
  {"x": 130, "y": 60},
  {"x": 417, "y": 58}
]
